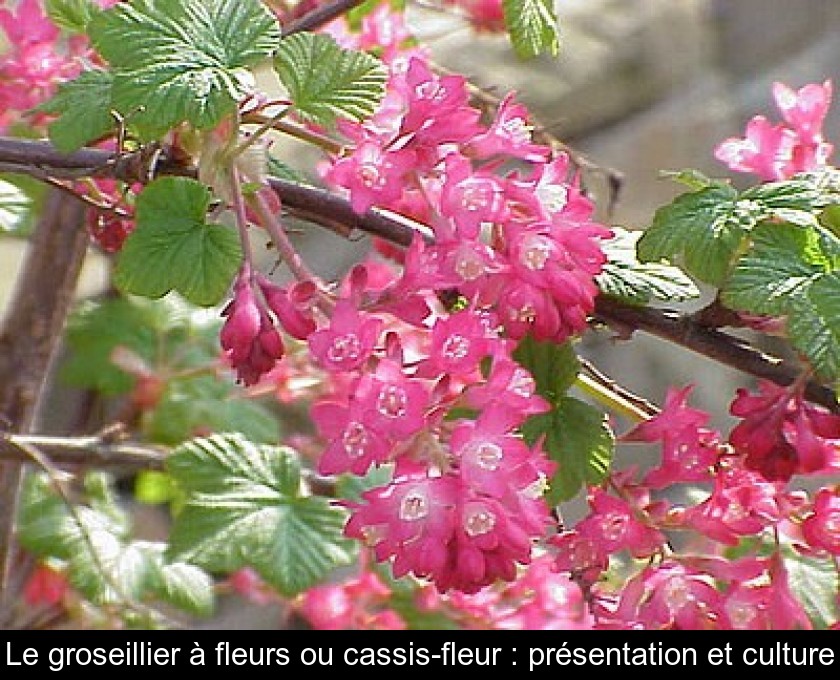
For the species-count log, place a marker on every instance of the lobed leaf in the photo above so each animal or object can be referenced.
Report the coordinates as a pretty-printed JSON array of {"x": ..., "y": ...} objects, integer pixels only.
[
  {"x": 577, "y": 437},
  {"x": 532, "y": 27},
  {"x": 244, "y": 507},
  {"x": 180, "y": 61},
  {"x": 624, "y": 277},
  {"x": 326, "y": 81},
  {"x": 173, "y": 248}
]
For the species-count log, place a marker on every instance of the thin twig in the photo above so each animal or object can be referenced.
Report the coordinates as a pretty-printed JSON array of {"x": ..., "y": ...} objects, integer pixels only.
[{"x": 320, "y": 16}]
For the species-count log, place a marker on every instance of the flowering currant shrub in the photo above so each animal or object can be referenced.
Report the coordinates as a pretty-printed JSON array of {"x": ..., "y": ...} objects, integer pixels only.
[{"x": 395, "y": 448}]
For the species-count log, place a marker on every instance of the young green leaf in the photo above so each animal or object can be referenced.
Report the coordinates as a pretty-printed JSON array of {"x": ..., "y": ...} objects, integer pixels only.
[
  {"x": 183, "y": 585},
  {"x": 174, "y": 248},
  {"x": 794, "y": 272},
  {"x": 624, "y": 277},
  {"x": 532, "y": 26},
  {"x": 326, "y": 81},
  {"x": 84, "y": 109},
  {"x": 73, "y": 15},
  {"x": 164, "y": 333},
  {"x": 553, "y": 366},
  {"x": 245, "y": 507},
  {"x": 813, "y": 581},
  {"x": 700, "y": 230},
  {"x": 783, "y": 262},
  {"x": 182, "y": 60},
  {"x": 814, "y": 324},
  {"x": 577, "y": 437}
]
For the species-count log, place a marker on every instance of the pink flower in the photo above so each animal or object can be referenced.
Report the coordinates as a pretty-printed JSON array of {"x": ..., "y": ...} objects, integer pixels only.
[
  {"x": 492, "y": 459},
  {"x": 821, "y": 529},
  {"x": 459, "y": 343},
  {"x": 391, "y": 402},
  {"x": 766, "y": 150},
  {"x": 29, "y": 25},
  {"x": 45, "y": 586},
  {"x": 689, "y": 450},
  {"x": 251, "y": 342},
  {"x": 374, "y": 175},
  {"x": 510, "y": 134},
  {"x": 775, "y": 152},
  {"x": 782, "y": 435},
  {"x": 510, "y": 386},
  {"x": 667, "y": 596},
  {"x": 612, "y": 526},
  {"x": 358, "y": 604},
  {"x": 412, "y": 520},
  {"x": 804, "y": 109},
  {"x": 352, "y": 445},
  {"x": 742, "y": 504},
  {"x": 470, "y": 198},
  {"x": 292, "y": 305},
  {"x": 348, "y": 341}
]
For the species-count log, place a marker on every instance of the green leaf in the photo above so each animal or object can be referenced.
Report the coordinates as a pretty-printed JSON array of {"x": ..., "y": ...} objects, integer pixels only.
[
  {"x": 84, "y": 109},
  {"x": 691, "y": 178},
  {"x": 783, "y": 262},
  {"x": 577, "y": 437},
  {"x": 624, "y": 277},
  {"x": 326, "y": 81},
  {"x": 794, "y": 272},
  {"x": 532, "y": 26},
  {"x": 174, "y": 248},
  {"x": 73, "y": 15},
  {"x": 183, "y": 585},
  {"x": 15, "y": 207},
  {"x": 813, "y": 581},
  {"x": 42, "y": 525},
  {"x": 203, "y": 403},
  {"x": 700, "y": 230},
  {"x": 101, "y": 563},
  {"x": 814, "y": 325},
  {"x": 245, "y": 507},
  {"x": 277, "y": 168},
  {"x": 94, "y": 331},
  {"x": 351, "y": 487},
  {"x": 553, "y": 366},
  {"x": 154, "y": 487},
  {"x": 107, "y": 572},
  {"x": 182, "y": 60}
]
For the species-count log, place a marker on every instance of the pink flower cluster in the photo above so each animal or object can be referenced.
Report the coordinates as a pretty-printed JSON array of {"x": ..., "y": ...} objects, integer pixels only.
[
  {"x": 360, "y": 603},
  {"x": 748, "y": 498},
  {"x": 515, "y": 251},
  {"x": 775, "y": 152},
  {"x": 37, "y": 60}
]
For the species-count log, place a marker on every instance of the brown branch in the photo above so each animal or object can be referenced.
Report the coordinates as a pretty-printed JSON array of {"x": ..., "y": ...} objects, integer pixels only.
[
  {"x": 324, "y": 207},
  {"x": 320, "y": 16},
  {"x": 92, "y": 450},
  {"x": 683, "y": 330},
  {"x": 29, "y": 336}
]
